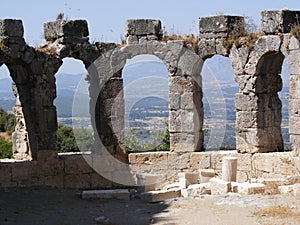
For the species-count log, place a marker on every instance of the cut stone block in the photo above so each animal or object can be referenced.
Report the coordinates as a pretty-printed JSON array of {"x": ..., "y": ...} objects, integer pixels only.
[
  {"x": 146, "y": 182},
  {"x": 158, "y": 196},
  {"x": 279, "y": 21},
  {"x": 142, "y": 27},
  {"x": 296, "y": 188},
  {"x": 234, "y": 187},
  {"x": 251, "y": 188},
  {"x": 105, "y": 194},
  {"x": 271, "y": 185},
  {"x": 206, "y": 175},
  {"x": 11, "y": 28},
  {"x": 219, "y": 187},
  {"x": 229, "y": 168},
  {"x": 286, "y": 189},
  {"x": 196, "y": 190},
  {"x": 185, "y": 179},
  {"x": 220, "y": 26},
  {"x": 66, "y": 28}
]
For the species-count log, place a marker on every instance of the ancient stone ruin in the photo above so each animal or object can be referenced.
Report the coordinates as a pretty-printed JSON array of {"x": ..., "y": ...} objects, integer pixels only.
[{"x": 256, "y": 59}]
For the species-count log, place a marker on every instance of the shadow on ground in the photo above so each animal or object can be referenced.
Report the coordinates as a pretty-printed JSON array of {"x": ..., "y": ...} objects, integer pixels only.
[{"x": 65, "y": 207}]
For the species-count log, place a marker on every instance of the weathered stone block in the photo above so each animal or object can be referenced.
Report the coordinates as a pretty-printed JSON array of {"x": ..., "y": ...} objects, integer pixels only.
[
  {"x": 251, "y": 188},
  {"x": 272, "y": 184},
  {"x": 206, "y": 175},
  {"x": 77, "y": 181},
  {"x": 178, "y": 161},
  {"x": 66, "y": 28},
  {"x": 220, "y": 26},
  {"x": 123, "y": 194},
  {"x": 5, "y": 174},
  {"x": 188, "y": 178},
  {"x": 196, "y": 190},
  {"x": 76, "y": 164},
  {"x": 47, "y": 155},
  {"x": 286, "y": 189},
  {"x": 294, "y": 125},
  {"x": 54, "y": 181},
  {"x": 183, "y": 142},
  {"x": 296, "y": 189},
  {"x": 200, "y": 160},
  {"x": 11, "y": 28},
  {"x": 174, "y": 101},
  {"x": 219, "y": 187},
  {"x": 279, "y": 21},
  {"x": 156, "y": 160},
  {"x": 100, "y": 182},
  {"x": 158, "y": 196},
  {"x": 207, "y": 48},
  {"x": 182, "y": 121},
  {"x": 141, "y": 27},
  {"x": 147, "y": 182}
]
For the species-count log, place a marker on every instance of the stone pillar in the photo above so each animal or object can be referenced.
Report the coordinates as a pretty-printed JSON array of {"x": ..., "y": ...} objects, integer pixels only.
[
  {"x": 11, "y": 35},
  {"x": 140, "y": 31},
  {"x": 185, "y": 113},
  {"x": 109, "y": 117},
  {"x": 229, "y": 169},
  {"x": 292, "y": 61}
]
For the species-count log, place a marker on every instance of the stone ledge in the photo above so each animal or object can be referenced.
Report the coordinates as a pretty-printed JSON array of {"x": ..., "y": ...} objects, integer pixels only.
[{"x": 123, "y": 194}]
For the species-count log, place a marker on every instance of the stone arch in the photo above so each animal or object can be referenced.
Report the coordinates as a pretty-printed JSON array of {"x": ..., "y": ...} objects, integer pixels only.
[
  {"x": 184, "y": 87},
  {"x": 21, "y": 136},
  {"x": 258, "y": 104},
  {"x": 139, "y": 101},
  {"x": 214, "y": 95},
  {"x": 291, "y": 52}
]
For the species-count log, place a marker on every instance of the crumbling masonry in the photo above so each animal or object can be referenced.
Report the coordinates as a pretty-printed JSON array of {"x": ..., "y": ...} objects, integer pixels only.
[{"x": 256, "y": 60}]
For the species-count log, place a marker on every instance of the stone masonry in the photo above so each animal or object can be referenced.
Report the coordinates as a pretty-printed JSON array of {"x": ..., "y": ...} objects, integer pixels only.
[{"x": 256, "y": 59}]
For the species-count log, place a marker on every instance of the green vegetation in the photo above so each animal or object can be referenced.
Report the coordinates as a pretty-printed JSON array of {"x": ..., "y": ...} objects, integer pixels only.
[
  {"x": 7, "y": 122},
  {"x": 159, "y": 141},
  {"x": 7, "y": 125},
  {"x": 5, "y": 149},
  {"x": 66, "y": 141}
]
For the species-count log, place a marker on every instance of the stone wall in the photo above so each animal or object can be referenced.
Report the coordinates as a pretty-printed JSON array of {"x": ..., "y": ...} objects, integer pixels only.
[{"x": 256, "y": 60}]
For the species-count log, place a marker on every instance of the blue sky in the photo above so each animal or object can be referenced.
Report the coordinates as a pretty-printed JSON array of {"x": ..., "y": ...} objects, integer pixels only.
[{"x": 107, "y": 18}]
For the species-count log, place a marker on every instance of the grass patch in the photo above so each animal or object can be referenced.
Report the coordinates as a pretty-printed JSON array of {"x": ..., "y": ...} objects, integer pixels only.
[
  {"x": 188, "y": 40},
  {"x": 282, "y": 212},
  {"x": 295, "y": 31},
  {"x": 47, "y": 49},
  {"x": 243, "y": 39}
]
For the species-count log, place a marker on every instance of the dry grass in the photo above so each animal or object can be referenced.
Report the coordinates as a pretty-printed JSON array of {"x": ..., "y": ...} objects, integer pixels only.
[
  {"x": 188, "y": 40},
  {"x": 282, "y": 212},
  {"x": 244, "y": 39},
  {"x": 47, "y": 49},
  {"x": 122, "y": 44},
  {"x": 295, "y": 31}
]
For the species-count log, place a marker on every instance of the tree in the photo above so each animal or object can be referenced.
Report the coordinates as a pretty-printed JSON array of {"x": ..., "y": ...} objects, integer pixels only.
[{"x": 66, "y": 141}]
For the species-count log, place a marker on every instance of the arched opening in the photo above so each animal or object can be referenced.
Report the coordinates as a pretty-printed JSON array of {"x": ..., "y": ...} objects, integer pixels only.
[
  {"x": 145, "y": 80},
  {"x": 284, "y": 97},
  {"x": 71, "y": 124},
  {"x": 219, "y": 89},
  {"x": 7, "y": 117},
  {"x": 268, "y": 84}
]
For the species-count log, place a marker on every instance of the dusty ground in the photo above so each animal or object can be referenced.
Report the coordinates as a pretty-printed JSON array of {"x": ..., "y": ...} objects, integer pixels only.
[{"x": 48, "y": 206}]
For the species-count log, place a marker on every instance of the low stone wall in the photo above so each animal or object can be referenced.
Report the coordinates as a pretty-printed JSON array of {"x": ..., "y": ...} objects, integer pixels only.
[
  {"x": 68, "y": 171},
  {"x": 72, "y": 171},
  {"x": 259, "y": 165}
]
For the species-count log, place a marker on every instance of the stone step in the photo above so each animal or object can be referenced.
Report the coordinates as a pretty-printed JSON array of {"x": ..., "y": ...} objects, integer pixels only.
[
  {"x": 161, "y": 195},
  {"x": 123, "y": 194}
]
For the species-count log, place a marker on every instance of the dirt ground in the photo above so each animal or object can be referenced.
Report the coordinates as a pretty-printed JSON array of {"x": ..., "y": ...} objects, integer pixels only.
[{"x": 65, "y": 207}]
